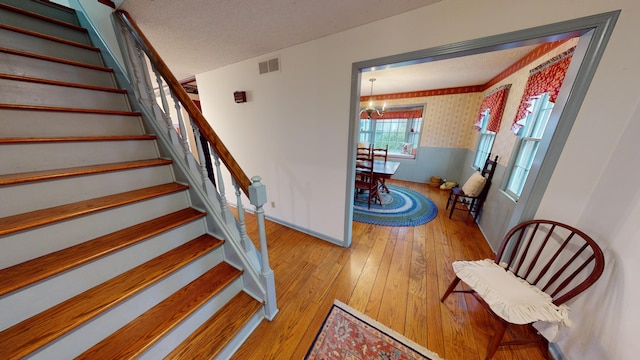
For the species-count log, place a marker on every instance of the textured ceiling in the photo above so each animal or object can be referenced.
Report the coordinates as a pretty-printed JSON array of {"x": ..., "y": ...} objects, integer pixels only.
[
  {"x": 196, "y": 36},
  {"x": 461, "y": 71}
]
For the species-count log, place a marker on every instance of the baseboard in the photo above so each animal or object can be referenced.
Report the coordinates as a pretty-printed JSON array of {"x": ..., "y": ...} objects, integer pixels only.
[
  {"x": 307, "y": 231},
  {"x": 555, "y": 351},
  {"x": 294, "y": 227}
]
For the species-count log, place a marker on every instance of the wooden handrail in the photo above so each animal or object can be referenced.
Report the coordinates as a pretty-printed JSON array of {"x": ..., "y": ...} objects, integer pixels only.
[{"x": 206, "y": 130}]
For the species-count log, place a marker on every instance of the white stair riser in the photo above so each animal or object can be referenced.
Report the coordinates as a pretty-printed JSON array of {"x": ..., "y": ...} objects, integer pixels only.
[
  {"x": 51, "y": 70},
  {"x": 42, "y": 8},
  {"x": 34, "y": 123},
  {"x": 30, "y": 244},
  {"x": 43, "y": 27},
  {"x": 163, "y": 347},
  {"x": 22, "y": 198},
  {"x": 18, "y": 158},
  {"x": 242, "y": 335},
  {"x": 34, "y": 299},
  {"x": 30, "y": 93},
  {"x": 33, "y": 44},
  {"x": 86, "y": 336}
]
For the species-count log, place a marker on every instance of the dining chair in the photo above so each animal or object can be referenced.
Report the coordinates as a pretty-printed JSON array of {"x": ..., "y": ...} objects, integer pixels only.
[
  {"x": 471, "y": 196},
  {"x": 364, "y": 151},
  {"x": 366, "y": 182},
  {"x": 540, "y": 265},
  {"x": 381, "y": 154}
]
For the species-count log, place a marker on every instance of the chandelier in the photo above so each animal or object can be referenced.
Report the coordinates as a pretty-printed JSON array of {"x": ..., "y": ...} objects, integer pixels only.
[{"x": 370, "y": 109}]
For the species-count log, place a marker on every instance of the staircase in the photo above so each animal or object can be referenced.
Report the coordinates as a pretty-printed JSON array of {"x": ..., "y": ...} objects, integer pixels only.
[{"x": 104, "y": 254}]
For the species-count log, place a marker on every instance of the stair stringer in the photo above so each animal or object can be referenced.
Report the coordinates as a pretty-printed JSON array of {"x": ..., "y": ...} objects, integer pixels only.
[{"x": 219, "y": 222}]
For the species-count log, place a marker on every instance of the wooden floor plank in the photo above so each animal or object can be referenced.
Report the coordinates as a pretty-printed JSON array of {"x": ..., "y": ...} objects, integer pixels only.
[{"x": 449, "y": 329}]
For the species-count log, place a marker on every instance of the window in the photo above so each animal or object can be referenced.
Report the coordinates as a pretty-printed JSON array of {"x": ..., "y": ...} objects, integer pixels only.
[
  {"x": 396, "y": 129},
  {"x": 528, "y": 143},
  {"x": 485, "y": 142}
]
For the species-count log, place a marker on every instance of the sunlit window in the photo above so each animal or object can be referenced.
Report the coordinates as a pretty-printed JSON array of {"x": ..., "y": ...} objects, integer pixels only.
[
  {"x": 528, "y": 143},
  {"x": 485, "y": 142},
  {"x": 401, "y": 134}
]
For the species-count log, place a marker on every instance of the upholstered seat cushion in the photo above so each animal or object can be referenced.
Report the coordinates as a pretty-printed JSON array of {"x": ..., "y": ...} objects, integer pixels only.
[
  {"x": 475, "y": 184},
  {"x": 510, "y": 297}
]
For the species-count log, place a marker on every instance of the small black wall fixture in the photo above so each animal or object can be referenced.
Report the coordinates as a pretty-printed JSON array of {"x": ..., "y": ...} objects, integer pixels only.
[{"x": 240, "y": 96}]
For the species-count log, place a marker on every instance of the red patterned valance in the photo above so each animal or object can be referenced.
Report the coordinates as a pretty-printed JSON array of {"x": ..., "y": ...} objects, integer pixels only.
[
  {"x": 394, "y": 114},
  {"x": 494, "y": 102},
  {"x": 546, "y": 78}
]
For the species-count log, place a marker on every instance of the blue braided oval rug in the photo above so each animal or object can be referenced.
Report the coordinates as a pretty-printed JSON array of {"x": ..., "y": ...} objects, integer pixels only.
[{"x": 401, "y": 207}]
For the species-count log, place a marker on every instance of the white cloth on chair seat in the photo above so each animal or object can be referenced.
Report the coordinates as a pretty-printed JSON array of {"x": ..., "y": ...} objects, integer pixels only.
[{"x": 512, "y": 298}]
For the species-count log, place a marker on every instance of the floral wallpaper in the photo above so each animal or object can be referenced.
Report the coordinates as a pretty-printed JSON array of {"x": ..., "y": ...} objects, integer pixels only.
[
  {"x": 449, "y": 118},
  {"x": 505, "y": 139},
  {"x": 446, "y": 119}
]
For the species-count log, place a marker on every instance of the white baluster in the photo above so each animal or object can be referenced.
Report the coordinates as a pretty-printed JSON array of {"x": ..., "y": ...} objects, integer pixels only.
[
  {"x": 202, "y": 167},
  {"x": 220, "y": 183},
  {"x": 183, "y": 131},
  {"x": 241, "y": 223},
  {"x": 163, "y": 99},
  {"x": 146, "y": 79},
  {"x": 136, "y": 68},
  {"x": 132, "y": 69}
]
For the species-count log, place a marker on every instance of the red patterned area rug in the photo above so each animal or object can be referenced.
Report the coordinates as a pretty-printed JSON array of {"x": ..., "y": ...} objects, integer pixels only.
[{"x": 350, "y": 335}]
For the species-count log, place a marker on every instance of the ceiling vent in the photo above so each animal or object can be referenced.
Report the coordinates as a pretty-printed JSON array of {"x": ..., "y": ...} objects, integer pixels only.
[{"x": 268, "y": 66}]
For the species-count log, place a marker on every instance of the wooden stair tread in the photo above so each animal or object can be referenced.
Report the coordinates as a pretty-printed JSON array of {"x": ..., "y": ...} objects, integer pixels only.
[
  {"x": 71, "y": 110},
  {"x": 11, "y": 179},
  {"x": 55, "y": 59},
  {"x": 133, "y": 339},
  {"x": 20, "y": 222},
  {"x": 32, "y": 271},
  {"x": 31, "y": 140},
  {"x": 49, "y": 37},
  {"x": 43, "y": 18},
  {"x": 31, "y": 334},
  {"x": 210, "y": 338},
  {"x": 61, "y": 83}
]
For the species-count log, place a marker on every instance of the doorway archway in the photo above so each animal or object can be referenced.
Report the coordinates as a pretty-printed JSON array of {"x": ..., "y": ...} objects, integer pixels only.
[{"x": 593, "y": 32}]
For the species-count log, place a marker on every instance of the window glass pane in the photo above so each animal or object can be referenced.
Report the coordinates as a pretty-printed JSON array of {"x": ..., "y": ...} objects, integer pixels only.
[
  {"x": 485, "y": 142},
  {"x": 541, "y": 122},
  {"x": 530, "y": 139},
  {"x": 365, "y": 130},
  {"x": 414, "y": 132},
  {"x": 522, "y": 166},
  {"x": 392, "y": 132},
  {"x": 484, "y": 149}
]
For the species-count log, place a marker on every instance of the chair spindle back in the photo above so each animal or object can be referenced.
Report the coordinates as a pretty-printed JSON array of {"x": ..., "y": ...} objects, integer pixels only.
[{"x": 557, "y": 258}]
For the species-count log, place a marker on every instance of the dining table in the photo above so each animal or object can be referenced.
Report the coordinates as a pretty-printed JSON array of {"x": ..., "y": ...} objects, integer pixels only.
[{"x": 383, "y": 170}]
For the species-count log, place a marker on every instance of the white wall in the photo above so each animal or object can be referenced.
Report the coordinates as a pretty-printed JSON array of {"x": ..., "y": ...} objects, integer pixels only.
[
  {"x": 100, "y": 17},
  {"x": 295, "y": 128}
]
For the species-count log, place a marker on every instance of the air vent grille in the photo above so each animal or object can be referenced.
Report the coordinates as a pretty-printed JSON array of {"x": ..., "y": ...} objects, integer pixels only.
[{"x": 268, "y": 66}]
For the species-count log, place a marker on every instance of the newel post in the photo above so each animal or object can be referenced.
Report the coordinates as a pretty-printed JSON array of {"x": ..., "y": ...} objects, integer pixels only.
[{"x": 258, "y": 197}]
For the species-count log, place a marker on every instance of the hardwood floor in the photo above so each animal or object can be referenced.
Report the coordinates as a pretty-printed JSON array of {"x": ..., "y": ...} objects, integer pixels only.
[{"x": 395, "y": 275}]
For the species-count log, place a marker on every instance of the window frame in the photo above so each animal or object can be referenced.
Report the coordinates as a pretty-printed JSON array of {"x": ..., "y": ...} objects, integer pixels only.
[
  {"x": 530, "y": 138},
  {"x": 479, "y": 158},
  {"x": 368, "y": 130}
]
